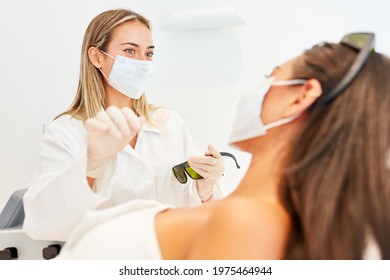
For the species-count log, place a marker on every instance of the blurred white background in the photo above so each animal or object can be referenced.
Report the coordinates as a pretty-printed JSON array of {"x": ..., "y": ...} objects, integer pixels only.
[{"x": 198, "y": 73}]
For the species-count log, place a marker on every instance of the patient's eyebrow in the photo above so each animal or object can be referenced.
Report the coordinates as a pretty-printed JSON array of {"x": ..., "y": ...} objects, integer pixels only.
[
  {"x": 269, "y": 74},
  {"x": 136, "y": 45}
]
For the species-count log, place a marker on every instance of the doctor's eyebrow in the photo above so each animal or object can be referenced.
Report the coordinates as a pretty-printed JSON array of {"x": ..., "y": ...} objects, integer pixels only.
[{"x": 135, "y": 45}]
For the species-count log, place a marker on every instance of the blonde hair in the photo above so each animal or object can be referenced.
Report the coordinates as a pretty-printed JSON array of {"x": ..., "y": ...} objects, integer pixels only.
[{"x": 90, "y": 92}]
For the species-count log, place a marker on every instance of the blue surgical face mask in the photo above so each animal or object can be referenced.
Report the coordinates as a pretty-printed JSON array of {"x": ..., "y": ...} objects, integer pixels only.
[
  {"x": 129, "y": 76},
  {"x": 248, "y": 123}
]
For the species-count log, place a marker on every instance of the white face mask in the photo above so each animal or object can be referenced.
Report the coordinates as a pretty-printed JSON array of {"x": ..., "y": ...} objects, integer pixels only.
[
  {"x": 248, "y": 123},
  {"x": 129, "y": 76}
]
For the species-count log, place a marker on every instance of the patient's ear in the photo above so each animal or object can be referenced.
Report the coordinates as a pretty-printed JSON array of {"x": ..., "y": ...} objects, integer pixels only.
[
  {"x": 95, "y": 56},
  {"x": 303, "y": 98}
]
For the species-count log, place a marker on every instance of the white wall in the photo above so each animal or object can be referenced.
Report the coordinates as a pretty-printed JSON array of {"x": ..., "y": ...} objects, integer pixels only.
[{"x": 198, "y": 74}]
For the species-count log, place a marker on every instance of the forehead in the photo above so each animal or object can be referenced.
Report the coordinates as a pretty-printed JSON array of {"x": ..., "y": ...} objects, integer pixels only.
[
  {"x": 285, "y": 70},
  {"x": 132, "y": 31}
]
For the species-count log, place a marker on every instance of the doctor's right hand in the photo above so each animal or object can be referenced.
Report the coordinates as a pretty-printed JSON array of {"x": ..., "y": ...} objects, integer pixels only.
[{"x": 107, "y": 134}]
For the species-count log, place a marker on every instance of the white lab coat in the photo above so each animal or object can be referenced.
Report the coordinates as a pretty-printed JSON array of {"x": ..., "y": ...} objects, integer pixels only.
[{"x": 58, "y": 195}]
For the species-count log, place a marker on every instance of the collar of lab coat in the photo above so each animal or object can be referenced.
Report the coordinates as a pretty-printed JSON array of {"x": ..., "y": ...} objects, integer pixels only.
[{"x": 146, "y": 126}]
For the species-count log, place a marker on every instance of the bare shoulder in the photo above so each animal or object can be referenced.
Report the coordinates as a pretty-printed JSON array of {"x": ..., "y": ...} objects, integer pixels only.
[
  {"x": 180, "y": 226},
  {"x": 245, "y": 211},
  {"x": 243, "y": 228}
]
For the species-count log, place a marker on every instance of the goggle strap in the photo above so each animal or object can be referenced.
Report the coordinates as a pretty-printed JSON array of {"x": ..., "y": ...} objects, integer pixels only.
[{"x": 355, "y": 68}]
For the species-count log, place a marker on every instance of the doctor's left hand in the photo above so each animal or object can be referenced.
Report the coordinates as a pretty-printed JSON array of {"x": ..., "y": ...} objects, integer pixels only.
[
  {"x": 107, "y": 134},
  {"x": 211, "y": 167}
]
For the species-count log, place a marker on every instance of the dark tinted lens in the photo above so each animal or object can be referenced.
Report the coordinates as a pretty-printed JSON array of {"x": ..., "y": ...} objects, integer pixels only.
[
  {"x": 357, "y": 40},
  {"x": 191, "y": 172},
  {"x": 180, "y": 175}
]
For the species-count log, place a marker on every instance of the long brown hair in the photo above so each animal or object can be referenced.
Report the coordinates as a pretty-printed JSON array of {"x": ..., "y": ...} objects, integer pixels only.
[
  {"x": 337, "y": 184},
  {"x": 90, "y": 92}
]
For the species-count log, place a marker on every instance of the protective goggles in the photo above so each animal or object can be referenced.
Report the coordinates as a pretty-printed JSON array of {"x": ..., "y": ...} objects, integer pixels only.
[
  {"x": 183, "y": 169},
  {"x": 364, "y": 43}
]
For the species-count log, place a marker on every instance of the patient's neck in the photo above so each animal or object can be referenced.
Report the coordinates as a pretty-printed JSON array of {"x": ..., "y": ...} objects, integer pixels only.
[{"x": 263, "y": 176}]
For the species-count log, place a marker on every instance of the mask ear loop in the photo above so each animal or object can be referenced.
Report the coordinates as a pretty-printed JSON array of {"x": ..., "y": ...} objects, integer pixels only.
[
  {"x": 106, "y": 54},
  {"x": 289, "y": 119},
  {"x": 282, "y": 121},
  {"x": 100, "y": 69},
  {"x": 289, "y": 82}
]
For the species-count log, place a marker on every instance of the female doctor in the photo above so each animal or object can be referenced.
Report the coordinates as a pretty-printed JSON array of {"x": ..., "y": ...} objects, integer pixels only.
[{"x": 79, "y": 173}]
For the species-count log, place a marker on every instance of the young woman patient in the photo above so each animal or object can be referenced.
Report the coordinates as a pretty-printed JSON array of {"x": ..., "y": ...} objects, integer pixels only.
[{"x": 318, "y": 186}]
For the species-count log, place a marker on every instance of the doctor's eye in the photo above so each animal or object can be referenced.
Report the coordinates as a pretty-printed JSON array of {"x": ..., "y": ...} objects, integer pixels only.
[
  {"x": 149, "y": 54},
  {"x": 130, "y": 51}
]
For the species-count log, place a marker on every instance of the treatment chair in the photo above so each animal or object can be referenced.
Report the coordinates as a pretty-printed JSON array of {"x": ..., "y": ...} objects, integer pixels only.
[{"x": 14, "y": 243}]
